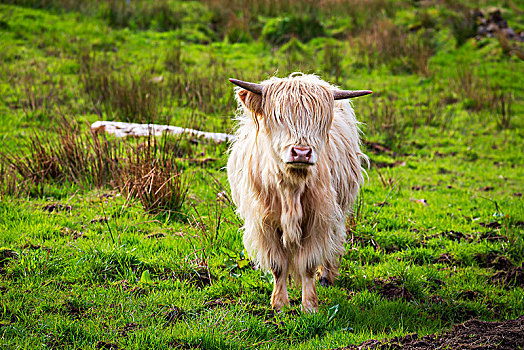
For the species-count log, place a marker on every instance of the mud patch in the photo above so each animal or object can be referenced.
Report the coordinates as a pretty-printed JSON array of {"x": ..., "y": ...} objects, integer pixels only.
[
  {"x": 470, "y": 294},
  {"x": 393, "y": 289},
  {"x": 381, "y": 165},
  {"x": 492, "y": 224},
  {"x": 513, "y": 277},
  {"x": 197, "y": 275},
  {"x": 492, "y": 236},
  {"x": 377, "y": 148},
  {"x": 6, "y": 255},
  {"x": 98, "y": 220},
  {"x": 457, "y": 236},
  {"x": 73, "y": 234},
  {"x": 74, "y": 308},
  {"x": 173, "y": 315},
  {"x": 56, "y": 207},
  {"x": 156, "y": 235},
  {"x": 473, "y": 334},
  {"x": 447, "y": 258},
  {"x": 31, "y": 246},
  {"x": 493, "y": 260},
  {"x": 107, "y": 346},
  {"x": 128, "y": 328}
]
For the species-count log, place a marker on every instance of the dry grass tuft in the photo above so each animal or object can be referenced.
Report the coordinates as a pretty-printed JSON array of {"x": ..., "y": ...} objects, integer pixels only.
[
  {"x": 234, "y": 15},
  {"x": 477, "y": 94},
  {"x": 204, "y": 91},
  {"x": 146, "y": 171},
  {"x": 71, "y": 156},
  {"x": 510, "y": 47},
  {"x": 158, "y": 15},
  {"x": 384, "y": 118},
  {"x": 152, "y": 176},
  {"x": 37, "y": 95},
  {"x": 385, "y": 42},
  {"x": 129, "y": 97}
]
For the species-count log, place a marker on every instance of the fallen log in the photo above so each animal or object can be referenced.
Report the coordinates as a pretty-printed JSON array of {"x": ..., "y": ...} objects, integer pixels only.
[{"x": 120, "y": 129}]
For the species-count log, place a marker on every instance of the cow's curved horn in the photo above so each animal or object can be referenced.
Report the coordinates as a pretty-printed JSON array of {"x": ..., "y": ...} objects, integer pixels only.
[
  {"x": 253, "y": 87},
  {"x": 342, "y": 94}
]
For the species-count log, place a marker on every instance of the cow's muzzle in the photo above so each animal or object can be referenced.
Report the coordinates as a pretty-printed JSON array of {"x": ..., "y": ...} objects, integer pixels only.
[{"x": 300, "y": 155}]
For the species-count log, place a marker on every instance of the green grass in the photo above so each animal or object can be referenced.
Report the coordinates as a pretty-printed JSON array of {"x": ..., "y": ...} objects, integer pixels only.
[{"x": 85, "y": 267}]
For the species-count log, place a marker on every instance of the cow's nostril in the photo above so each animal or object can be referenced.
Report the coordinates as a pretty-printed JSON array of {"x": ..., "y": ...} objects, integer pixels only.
[{"x": 301, "y": 154}]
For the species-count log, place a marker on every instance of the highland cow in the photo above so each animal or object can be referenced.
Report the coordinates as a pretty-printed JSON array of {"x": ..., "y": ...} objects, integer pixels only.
[{"x": 295, "y": 170}]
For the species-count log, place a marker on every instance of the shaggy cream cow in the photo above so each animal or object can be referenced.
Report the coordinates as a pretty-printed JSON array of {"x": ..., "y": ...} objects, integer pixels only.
[{"x": 295, "y": 170}]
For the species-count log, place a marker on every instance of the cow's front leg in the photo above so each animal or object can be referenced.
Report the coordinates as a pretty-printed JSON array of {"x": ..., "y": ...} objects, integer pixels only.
[
  {"x": 309, "y": 293},
  {"x": 280, "y": 270}
]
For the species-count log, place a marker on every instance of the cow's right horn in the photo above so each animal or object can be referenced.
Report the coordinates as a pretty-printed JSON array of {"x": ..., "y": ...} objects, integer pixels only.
[
  {"x": 253, "y": 87},
  {"x": 343, "y": 94}
]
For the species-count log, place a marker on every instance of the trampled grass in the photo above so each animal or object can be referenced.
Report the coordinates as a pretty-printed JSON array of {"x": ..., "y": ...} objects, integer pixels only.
[{"x": 439, "y": 234}]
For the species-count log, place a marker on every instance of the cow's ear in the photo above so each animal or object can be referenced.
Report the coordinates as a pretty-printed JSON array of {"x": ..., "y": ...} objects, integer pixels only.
[{"x": 251, "y": 101}]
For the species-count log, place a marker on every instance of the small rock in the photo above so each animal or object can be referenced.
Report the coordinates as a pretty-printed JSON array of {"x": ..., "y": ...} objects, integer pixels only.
[
  {"x": 510, "y": 33},
  {"x": 492, "y": 28},
  {"x": 495, "y": 15},
  {"x": 482, "y": 30}
]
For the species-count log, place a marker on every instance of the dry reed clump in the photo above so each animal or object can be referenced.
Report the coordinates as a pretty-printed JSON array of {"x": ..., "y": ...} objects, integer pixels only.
[
  {"x": 72, "y": 156},
  {"x": 151, "y": 175},
  {"x": 157, "y": 15},
  {"x": 37, "y": 95},
  {"x": 36, "y": 90},
  {"x": 510, "y": 47},
  {"x": 68, "y": 5},
  {"x": 477, "y": 93},
  {"x": 206, "y": 91},
  {"x": 144, "y": 98},
  {"x": 384, "y": 119},
  {"x": 462, "y": 22},
  {"x": 326, "y": 61},
  {"x": 8, "y": 179},
  {"x": 146, "y": 171},
  {"x": 387, "y": 43},
  {"x": 130, "y": 98},
  {"x": 226, "y": 15},
  {"x": 234, "y": 19}
]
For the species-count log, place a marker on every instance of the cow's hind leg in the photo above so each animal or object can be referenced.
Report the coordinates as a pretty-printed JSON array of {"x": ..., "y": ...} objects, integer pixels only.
[{"x": 280, "y": 270}]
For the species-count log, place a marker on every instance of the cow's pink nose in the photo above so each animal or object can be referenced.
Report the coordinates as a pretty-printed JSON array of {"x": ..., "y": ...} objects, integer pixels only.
[{"x": 301, "y": 154}]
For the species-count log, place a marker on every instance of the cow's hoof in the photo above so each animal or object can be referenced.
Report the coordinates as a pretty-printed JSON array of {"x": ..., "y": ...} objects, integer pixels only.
[
  {"x": 309, "y": 308},
  {"x": 278, "y": 303}
]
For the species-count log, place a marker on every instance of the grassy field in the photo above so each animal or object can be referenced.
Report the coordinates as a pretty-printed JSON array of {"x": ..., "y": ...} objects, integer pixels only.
[{"x": 134, "y": 243}]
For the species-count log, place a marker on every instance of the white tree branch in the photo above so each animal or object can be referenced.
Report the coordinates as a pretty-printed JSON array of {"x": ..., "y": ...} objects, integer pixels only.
[{"x": 120, "y": 129}]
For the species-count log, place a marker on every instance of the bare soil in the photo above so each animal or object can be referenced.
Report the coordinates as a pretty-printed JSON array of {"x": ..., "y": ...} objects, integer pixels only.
[{"x": 472, "y": 334}]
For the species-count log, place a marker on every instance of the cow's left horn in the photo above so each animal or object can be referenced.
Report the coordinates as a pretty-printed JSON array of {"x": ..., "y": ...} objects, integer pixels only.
[
  {"x": 342, "y": 94},
  {"x": 253, "y": 87}
]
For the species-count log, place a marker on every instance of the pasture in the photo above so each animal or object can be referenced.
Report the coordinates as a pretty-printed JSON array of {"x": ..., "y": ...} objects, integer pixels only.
[{"x": 134, "y": 243}]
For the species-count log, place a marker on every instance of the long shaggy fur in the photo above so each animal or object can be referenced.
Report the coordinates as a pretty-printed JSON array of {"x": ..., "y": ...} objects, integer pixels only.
[{"x": 295, "y": 217}]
